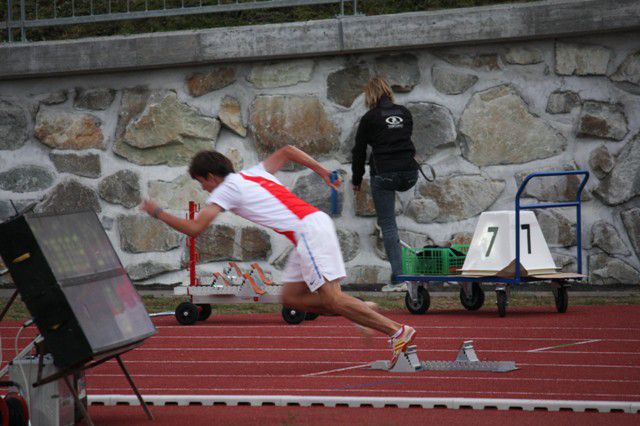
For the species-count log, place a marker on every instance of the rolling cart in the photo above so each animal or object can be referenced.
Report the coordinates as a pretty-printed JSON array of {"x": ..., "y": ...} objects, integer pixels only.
[{"x": 472, "y": 297}]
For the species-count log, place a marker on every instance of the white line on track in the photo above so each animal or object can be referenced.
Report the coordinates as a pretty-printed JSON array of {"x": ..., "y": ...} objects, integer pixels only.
[
  {"x": 506, "y": 351},
  {"x": 143, "y": 389},
  {"x": 372, "y": 376},
  {"x": 564, "y": 345},
  {"x": 335, "y": 370},
  {"x": 298, "y": 362},
  {"x": 427, "y": 338}
]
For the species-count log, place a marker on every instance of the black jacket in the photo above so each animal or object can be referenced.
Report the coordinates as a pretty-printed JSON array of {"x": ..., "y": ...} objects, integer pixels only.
[{"x": 387, "y": 128}]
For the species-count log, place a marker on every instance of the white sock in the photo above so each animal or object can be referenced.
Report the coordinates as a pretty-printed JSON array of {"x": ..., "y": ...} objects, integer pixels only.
[{"x": 398, "y": 333}]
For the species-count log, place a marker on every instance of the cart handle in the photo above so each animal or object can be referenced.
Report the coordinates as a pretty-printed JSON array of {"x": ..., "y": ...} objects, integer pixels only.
[{"x": 577, "y": 204}]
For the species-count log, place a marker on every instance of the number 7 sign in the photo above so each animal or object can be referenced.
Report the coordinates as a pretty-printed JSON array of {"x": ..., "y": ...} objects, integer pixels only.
[{"x": 492, "y": 249}]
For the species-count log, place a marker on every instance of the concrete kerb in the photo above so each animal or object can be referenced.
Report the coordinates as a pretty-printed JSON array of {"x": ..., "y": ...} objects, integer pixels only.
[{"x": 347, "y": 35}]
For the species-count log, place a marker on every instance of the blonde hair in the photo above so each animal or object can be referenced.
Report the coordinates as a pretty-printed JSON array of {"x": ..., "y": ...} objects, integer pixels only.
[{"x": 376, "y": 88}]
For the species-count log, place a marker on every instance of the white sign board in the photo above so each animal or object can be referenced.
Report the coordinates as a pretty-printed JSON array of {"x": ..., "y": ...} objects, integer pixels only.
[{"x": 493, "y": 252}]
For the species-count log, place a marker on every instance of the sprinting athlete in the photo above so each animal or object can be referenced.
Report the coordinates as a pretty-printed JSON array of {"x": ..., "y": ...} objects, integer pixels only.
[{"x": 315, "y": 268}]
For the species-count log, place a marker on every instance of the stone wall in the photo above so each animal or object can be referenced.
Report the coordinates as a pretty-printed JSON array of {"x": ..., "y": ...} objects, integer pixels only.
[{"x": 484, "y": 117}]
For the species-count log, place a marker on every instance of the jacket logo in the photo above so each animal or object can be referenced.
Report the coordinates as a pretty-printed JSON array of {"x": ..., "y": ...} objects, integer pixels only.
[{"x": 394, "y": 122}]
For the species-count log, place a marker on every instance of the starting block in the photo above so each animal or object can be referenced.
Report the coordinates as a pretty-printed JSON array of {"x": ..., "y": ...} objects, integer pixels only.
[{"x": 466, "y": 360}]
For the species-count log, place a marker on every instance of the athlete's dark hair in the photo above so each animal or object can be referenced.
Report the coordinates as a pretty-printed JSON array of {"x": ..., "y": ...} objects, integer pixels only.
[{"x": 213, "y": 162}]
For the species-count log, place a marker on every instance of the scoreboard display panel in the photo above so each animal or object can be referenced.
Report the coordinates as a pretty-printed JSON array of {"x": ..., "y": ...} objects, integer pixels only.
[{"x": 71, "y": 279}]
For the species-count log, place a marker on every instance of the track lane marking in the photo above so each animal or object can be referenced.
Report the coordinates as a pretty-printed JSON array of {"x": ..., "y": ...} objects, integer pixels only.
[
  {"x": 565, "y": 345},
  {"x": 427, "y": 338},
  {"x": 335, "y": 370}
]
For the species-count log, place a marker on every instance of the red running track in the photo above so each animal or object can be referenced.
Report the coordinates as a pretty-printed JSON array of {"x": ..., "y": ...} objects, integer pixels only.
[{"x": 589, "y": 353}]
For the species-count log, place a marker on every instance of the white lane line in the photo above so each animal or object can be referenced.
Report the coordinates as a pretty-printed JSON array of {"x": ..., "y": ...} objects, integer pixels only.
[
  {"x": 143, "y": 389},
  {"x": 298, "y": 362},
  {"x": 564, "y": 345},
  {"x": 378, "y": 402},
  {"x": 371, "y": 376},
  {"x": 504, "y": 351},
  {"x": 427, "y": 338},
  {"x": 335, "y": 370}
]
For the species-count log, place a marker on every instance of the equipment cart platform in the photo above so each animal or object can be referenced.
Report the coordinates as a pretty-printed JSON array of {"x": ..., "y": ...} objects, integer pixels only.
[{"x": 417, "y": 299}]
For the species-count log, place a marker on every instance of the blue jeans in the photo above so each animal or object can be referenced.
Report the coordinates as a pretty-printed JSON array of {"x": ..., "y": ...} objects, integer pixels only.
[{"x": 383, "y": 191}]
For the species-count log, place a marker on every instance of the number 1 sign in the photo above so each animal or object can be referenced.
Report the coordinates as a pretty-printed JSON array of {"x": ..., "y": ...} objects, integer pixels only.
[{"x": 492, "y": 250}]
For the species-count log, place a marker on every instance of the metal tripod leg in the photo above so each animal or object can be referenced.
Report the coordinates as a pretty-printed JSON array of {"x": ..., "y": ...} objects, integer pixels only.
[
  {"x": 8, "y": 305},
  {"x": 85, "y": 412},
  {"x": 135, "y": 388}
]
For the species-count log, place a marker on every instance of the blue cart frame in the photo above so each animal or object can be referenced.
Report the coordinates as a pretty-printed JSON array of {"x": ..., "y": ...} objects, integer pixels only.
[{"x": 471, "y": 294}]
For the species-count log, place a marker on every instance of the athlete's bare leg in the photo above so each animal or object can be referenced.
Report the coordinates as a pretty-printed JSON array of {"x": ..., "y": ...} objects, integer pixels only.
[{"x": 330, "y": 299}]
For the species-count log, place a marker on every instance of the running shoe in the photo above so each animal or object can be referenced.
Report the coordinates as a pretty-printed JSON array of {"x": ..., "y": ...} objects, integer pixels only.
[
  {"x": 401, "y": 343},
  {"x": 402, "y": 286}
]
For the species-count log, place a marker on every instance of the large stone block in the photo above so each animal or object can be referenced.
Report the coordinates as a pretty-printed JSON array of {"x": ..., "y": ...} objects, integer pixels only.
[
  {"x": 65, "y": 130},
  {"x": 176, "y": 194},
  {"x": 552, "y": 188},
  {"x": 27, "y": 178},
  {"x": 562, "y": 102},
  {"x": 581, "y": 59},
  {"x": 13, "y": 125},
  {"x": 363, "y": 201},
  {"x": 450, "y": 81},
  {"x": 601, "y": 161},
  {"x": 631, "y": 220},
  {"x": 200, "y": 84},
  {"x": 345, "y": 85},
  {"x": 558, "y": 229},
  {"x": 349, "y": 243},
  {"x": 69, "y": 196},
  {"x": 478, "y": 61},
  {"x": 497, "y": 128},
  {"x": 461, "y": 197},
  {"x": 94, "y": 99},
  {"x": 604, "y": 269},
  {"x": 149, "y": 269},
  {"x": 230, "y": 115},
  {"x": 433, "y": 128},
  {"x": 423, "y": 210},
  {"x": 605, "y": 236},
  {"x": 623, "y": 182},
  {"x": 87, "y": 165},
  {"x": 141, "y": 234},
  {"x": 401, "y": 71},
  {"x": 368, "y": 274},
  {"x": 255, "y": 244},
  {"x": 281, "y": 74},
  {"x": 523, "y": 55},
  {"x": 279, "y": 120},
  {"x": 628, "y": 74},
  {"x": 122, "y": 188},
  {"x": 313, "y": 189},
  {"x": 132, "y": 104},
  {"x": 216, "y": 243},
  {"x": 603, "y": 120},
  {"x": 170, "y": 132}
]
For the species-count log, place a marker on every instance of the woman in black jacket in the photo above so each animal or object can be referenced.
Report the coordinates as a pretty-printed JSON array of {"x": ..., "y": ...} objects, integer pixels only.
[{"x": 387, "y": 128}]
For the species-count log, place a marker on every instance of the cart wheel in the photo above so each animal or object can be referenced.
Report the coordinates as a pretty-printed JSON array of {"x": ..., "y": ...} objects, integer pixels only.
[
  {"x": 292, "y": 316},
  {"x": 421, "y": 305},
  {"x": 562, "y": 299},
  {"x": 501, "y": 301},
  {"x": 310, "y": 316},
  {"x": 475, "y": 300},
  {"x": 204, "y": 311},
  {"x": 18, "y": 411},
  {"x": 187, "y": 313}
]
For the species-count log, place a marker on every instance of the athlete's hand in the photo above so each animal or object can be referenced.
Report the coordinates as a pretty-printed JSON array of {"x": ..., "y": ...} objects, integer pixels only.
[
  {"x": 148, "y": 206},
  {"x": 326, "y": 175}
]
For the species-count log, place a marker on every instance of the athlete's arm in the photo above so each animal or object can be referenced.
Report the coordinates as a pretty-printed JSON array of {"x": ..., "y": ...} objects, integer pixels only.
[
  {"x": 192, "y": 228},
  {"x": 290, "y": 153}
]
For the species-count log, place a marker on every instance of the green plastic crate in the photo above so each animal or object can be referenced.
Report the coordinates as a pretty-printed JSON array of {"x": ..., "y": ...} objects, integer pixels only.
[{"x": 433, "y": 260}]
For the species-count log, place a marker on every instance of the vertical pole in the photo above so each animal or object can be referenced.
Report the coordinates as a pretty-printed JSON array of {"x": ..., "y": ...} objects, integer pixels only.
[
  {"x": 85, "y": 413},
  {"x": 355, "y": 7},
  {"x": 334, "y": 194},
  {"x": 9, "y": 18},
  {"x": 192, "y": 248},
  {"x": 579, "y": 231},
  {"x": 23, "y": 17},
  {"x": 517, "y": 276}
]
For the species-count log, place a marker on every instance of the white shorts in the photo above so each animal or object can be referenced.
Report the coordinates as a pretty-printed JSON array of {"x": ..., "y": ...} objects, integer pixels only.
[{"x": 317, "y": 257}]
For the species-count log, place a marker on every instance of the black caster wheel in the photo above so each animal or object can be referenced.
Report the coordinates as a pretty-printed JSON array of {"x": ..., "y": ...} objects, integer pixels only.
[
  {"x": 204, "y": 311},
  {"x": 310, "y": 316},
  {"x": 187, "y": 313},
  {"x": 473, "y": 301},
  {"x": 292, "y": 316},
  {"x": 421, "y": 305},
  {"x": 501, "y": 301},
  {"x": 18, "y": 410},
  {"x": 561, "y": 296}
]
